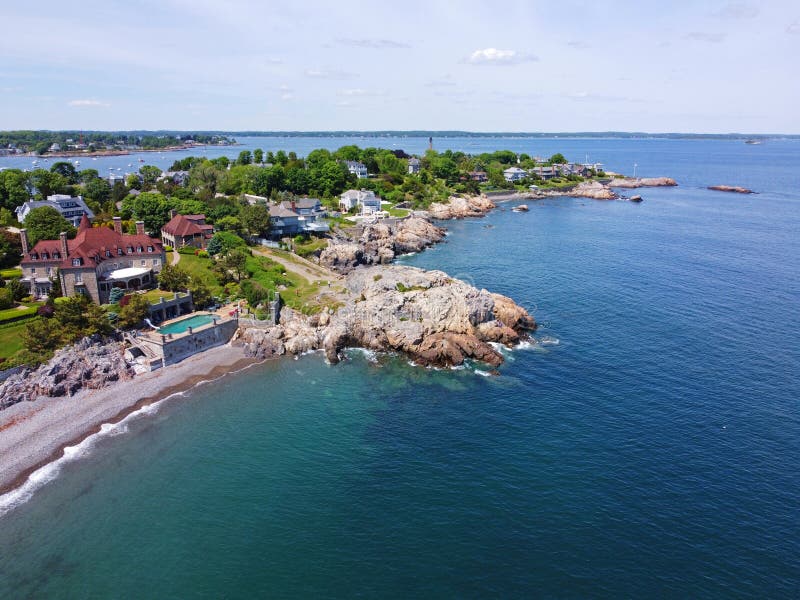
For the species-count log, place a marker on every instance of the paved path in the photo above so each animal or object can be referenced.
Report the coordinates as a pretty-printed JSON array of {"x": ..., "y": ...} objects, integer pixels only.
[{"x": 174, "y": 258}]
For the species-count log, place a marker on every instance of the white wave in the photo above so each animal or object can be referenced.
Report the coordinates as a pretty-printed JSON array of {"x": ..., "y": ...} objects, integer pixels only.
[
  {"x": 369, "y": 355},
  {"x": 549, "y": 341},
  {"x": 482, "y": 373},
  {"x": 525, "y": 345},
  {"x": 47, "y": 473}
]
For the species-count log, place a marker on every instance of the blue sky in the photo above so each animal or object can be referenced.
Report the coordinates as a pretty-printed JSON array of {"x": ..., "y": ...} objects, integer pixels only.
[{"x": 479, "y": 66}]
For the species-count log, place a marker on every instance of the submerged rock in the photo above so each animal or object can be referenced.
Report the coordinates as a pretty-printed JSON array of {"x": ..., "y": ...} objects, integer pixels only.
[{"x": 731, "y": 188}]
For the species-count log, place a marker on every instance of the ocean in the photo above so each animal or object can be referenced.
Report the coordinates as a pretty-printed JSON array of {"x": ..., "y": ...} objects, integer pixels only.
[{"x": 646, "y": 445}]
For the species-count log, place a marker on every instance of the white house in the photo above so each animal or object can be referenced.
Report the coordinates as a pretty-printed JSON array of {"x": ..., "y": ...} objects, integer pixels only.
[
  {"x": 514, "y": 174},
  {"x": 413, "y": 165},
  {"x": 71, "y": 208},
  {"x": 358, "y": 169},
  {"x": 366, "y": 199}
]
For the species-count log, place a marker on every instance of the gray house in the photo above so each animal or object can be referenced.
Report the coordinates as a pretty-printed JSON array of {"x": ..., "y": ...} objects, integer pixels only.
[{"x": 72, "y": 208}]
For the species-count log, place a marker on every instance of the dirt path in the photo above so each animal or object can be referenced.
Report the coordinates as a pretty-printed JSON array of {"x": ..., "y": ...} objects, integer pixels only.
[
  {"x": 311, "y": 272},
  {"x": 176, "y": 257}
]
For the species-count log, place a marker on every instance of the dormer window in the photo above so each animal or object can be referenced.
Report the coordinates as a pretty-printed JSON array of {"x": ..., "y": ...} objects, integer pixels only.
[
  {"x": 76, "y": 262},
  {"x": 119, "y": 252},
  {"x": 35, "y": 256},
  {"x": 140, "y": 249},
  {"x": 150, "y": 249},
  {"x": 108, "y": 253},
  {"x": 44, "y": 256},
  {"x": 130, "y": 249},
  {"x": 56, "y": 255}
]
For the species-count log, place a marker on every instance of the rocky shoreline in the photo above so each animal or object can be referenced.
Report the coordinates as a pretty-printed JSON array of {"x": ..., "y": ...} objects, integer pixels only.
[
  {"x": 432, "y": 318},
  {"x": 730, "y": 188}
]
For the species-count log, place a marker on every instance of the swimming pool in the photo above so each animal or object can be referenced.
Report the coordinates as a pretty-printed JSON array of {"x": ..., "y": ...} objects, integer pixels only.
[{"x": 194, "y": 321}]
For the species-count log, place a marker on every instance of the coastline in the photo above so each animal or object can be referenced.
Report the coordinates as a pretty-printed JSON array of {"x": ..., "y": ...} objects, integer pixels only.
[{"x": 35, "y": 434}]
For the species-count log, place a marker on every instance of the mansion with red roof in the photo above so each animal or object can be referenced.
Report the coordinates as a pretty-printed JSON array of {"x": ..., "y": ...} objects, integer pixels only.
[
  {"x": 186, "y": 230},
  {"x": 97, "y": 260}
]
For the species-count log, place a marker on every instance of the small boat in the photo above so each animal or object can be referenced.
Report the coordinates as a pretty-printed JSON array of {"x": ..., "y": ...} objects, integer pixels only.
[
  {"x": 141, "y": 160},
  {"x": 636, "y": 198},
  {"x": 77, "y": 163},
  {"x": 752, "y": 142},
  {"x": 520, "y": 208}
]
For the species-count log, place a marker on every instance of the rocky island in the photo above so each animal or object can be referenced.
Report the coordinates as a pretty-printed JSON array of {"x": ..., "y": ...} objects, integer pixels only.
[{"x": 730, "y": 188}]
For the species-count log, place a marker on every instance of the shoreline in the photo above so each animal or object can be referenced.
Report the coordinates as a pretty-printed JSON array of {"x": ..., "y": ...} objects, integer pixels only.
[{"x": 35, "y": 434}]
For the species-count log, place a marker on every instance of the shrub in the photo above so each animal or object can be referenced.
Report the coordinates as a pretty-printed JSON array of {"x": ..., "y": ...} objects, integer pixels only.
[
  {"x": 187, "y": 250},
  {"x": 6, "y": 299},
  {"x": 46, "y": 310},
  {"x": 116, "y": 295},
  {"x": 123, "y": 302},
  {"x": 167, "y": 248},
  {"x": 203, "y": 254}
]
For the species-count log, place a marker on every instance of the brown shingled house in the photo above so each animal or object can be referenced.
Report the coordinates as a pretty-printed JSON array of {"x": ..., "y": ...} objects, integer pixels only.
[
  {"x": 186, "y": 230},
  {"x": 98, "y": 259}
]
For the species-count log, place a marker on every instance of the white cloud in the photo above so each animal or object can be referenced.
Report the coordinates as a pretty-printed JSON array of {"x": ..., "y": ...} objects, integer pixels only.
[
  {"x": 328, "y": 74},
  {"x": 287, "y": 96},
  {"x": 89, "y": 103},
  {"x": 736, "y": 10},
  {"x": 360, "y": 92},
  {"x": 371, "y": 43},
  {"x": 793, "y": 28},
  {"x": 493, "y": 56},
  {"x": 704, "y": 36}
]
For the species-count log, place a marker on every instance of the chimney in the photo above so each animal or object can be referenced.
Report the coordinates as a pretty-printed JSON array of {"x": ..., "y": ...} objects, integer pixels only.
[
  {"x": 173, "y": 213},
  {"x": 23, "y": 238},
  {"x": 63, "y": 237},
  {"x": 294, "y": 206},
  {"x": 139, "y": 227},
  {"x": 118, "y": 225}
]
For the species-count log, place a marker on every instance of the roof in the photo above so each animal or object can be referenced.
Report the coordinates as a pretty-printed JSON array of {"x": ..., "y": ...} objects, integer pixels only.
[
  {"x": 413, "y": 161},
  {"x": 183, "y": 225},
  {"x": 302, "y": 203},
  {"x": 126, "y": 273},
  {"x": 91, "y": 245},
  {"x": 279, "y": 211}
]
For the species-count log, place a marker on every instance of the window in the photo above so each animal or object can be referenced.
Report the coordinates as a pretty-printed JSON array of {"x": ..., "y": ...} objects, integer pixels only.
[
  {"x": 79, "y": 277},
  {"x": 156, "y": 262},
  {"x": 108, "y": 253},
  {"x": 33, "y": 270},
  {"x": 130, "y": 249},
  {"x": 76, "y": 262},
  {"x": 56, "y": 255},
  {"x": 144, "y": 263},
  {"x": 139, "y": 249},
  {"x": 119, "y": 252},
  {"x": 44, "y": 256},
  {"x": 49, "y": 271},
  {"x": 150, "y": 249},
  {"x": 35, "y": 256}
]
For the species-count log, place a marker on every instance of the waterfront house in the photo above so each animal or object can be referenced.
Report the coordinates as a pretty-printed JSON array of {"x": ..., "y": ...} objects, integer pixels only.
[
  {"x": 283, "y": 221},
  {"x": 310, "y": 214},
  {"x": 413, "y": 166},
  {"x": 514, "y": 174},
  {"x": 366, "y": 199},
  {"x": 186, "y": 230},
  {"x": 357, "y": 168},
  {"x": 479, "y": 176},
  {"x": 176, "y": 177},
  {"x": 72, "y": 208},
  {"x": 97, "y": 260}
]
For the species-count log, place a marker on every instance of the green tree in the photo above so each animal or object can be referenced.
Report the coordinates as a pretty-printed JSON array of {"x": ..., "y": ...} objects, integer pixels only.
[
  {"x": 214, "y": 245},
  {"x": 281, "y": 158},
  {"x": 255, "y": 219},
  {"x": 236, "y": 261},
  {"x": 258, "y": 155},
  {"x": 201, "y": 295},
  {"x": 14, "y": 188},
  {"x": 245, "y": 158},
  {"x": 151, "y": 207},
  {"x": 46, "y": 223},
  {"x": 133, "y": 313},
  {"x": 173, "y": 278},
  {"x": 133, "y": 182},
  {"x": 42, "y": 336},
  {"x": 558, "y": 159},
  {"x": 10, "y": 249},
  {"x": 88, "y": 175},
  {"x": 229, "y": 223},
  {"x": 97, "y": 190},
  {"x": 55, "y": 287},
  {"x": 116, "y": 295},
  {"x": 149, "y": 175},
  {"x": 66, "y": 170},
  {"x": 47, "y": 183}
]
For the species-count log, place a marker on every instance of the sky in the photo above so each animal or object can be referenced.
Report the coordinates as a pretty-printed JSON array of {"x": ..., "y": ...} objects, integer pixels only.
[{"x": 572, "y": 65}]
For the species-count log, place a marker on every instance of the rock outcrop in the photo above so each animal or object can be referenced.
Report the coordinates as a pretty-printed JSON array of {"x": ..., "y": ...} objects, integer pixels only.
[
  {"x": 628, "y": 182},
  {"x": 731, "y": 188},
  {"x": 379, "y": 243},
  {"x": 458, "y": 207},
  {"x": 89, "y": 364},
  {"x": 592, "y": 189},
  {"x": 433, "y": 318}
]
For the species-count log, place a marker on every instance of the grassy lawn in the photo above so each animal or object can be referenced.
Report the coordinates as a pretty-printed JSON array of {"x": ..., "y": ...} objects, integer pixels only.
[
  {"x": 200, "y": 268},
  {"x": 11, "y": 338},
  {"x": 15, "y": 313},
  {"x": 310, "y": 246},
  {"x": 397, "y": 212},
  {"x": 10, "y": 273}
]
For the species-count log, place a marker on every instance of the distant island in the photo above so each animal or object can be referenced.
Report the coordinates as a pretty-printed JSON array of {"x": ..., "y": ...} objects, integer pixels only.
[{"x": 82, "y": 143}]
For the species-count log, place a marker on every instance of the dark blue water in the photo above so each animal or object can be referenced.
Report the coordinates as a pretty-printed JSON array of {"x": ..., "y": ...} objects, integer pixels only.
[{"x": 653, "y": 451}]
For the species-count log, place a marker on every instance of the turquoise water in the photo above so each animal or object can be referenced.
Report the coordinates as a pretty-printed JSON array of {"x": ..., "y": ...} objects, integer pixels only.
[
  {"x": 184, "y": 324},
  {"x": 647, "y": 446}
]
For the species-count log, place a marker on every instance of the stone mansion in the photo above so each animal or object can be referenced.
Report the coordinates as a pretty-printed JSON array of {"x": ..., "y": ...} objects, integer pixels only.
[{"x": 97, "y": 260}]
